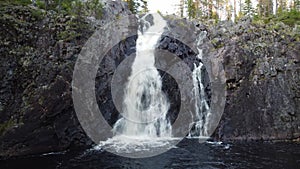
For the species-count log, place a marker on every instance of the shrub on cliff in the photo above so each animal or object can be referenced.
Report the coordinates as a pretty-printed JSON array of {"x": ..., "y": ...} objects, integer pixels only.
[
  {"x": 76, "y": 8},
  {"x": 15, "y": 2},
  {"x": 290, "y": 18}
]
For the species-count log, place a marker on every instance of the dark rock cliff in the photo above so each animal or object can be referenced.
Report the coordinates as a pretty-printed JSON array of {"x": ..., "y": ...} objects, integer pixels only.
[
  {"x": 38, "y": 51},
  {"x": 262, "y": 70}
]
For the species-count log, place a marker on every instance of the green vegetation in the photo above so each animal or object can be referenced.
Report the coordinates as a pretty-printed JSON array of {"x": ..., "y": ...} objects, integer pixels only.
[
  {"x": 137, "y": 6},
  {"x": 191, "y": 9},
  {"x": 248, "y": 9},
  {"x": 6, "y": 125},
  {"x": 290, "y": 18},
  {"x": 38, "y": 14},
  {"x": 15, "y": 2},
  {"x": 94, "y": 7},
  {"x": 76, "y": 8},
  {"x": 74, "y": 29},
  {"x": 265, "y": 11},
  {"x": 67, "y": 35}
]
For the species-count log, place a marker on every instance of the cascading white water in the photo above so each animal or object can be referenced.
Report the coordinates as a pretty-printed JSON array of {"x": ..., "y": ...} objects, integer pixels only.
[
  {"x": 145, "y": 105},
  {"x": 202, "y": 109},
  {"x": 144, "y": 127}
]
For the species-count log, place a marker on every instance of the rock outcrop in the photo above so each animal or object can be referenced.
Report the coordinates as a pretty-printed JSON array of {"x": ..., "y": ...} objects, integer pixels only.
[
  {"x": 262, "y": 70},
  {"x": 38, "y": 52}
]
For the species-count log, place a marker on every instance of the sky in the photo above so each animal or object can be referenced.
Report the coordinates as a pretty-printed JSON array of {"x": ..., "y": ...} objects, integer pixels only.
[{"x": 164, "y": 6}]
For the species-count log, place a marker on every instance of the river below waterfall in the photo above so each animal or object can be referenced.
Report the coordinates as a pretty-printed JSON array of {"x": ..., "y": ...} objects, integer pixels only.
[{"x": 188, "y": 154}]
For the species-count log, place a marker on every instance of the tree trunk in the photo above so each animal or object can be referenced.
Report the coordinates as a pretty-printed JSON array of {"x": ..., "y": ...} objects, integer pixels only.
[
  {"x": 276, "y": 6},
  {"x": 234, "y": 10}
]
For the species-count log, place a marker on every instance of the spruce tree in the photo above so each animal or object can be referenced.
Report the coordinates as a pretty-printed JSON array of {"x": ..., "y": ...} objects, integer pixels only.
[{"x": 248, "y": 10}]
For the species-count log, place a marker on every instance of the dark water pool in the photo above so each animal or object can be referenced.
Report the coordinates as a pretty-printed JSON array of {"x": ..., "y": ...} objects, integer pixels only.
[{"x": 189, "y": 154}]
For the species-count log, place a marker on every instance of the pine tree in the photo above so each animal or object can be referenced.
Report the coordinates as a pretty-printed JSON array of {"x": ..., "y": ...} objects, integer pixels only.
[
  {"x": 234, "y": 10},
  {"x": 248, "y": 10},
  {"x": 144, "y": 6},
  {"x": 137, "y": 6},
  {"x": 296, "y": 5},
  {"x": 191, "y": 9},
  {"x": 228, "y": 9},
  {"x": 282, "y": 6},
  {"x": 220, "y": 7},
  {"x": 210, "y": 8},
  {"x": 206, "y": 8},
  {"x": 131, "y": 6},
  {"x": 265, "y": 7},
  {"x": 181, "y": 7},
  {"x": 241, "y": 6}
]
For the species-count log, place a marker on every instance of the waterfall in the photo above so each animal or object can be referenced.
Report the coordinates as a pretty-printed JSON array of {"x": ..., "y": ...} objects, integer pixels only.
[
  {"x": 144, "y": 129},
  {"x": 145, "y": 105},
  {"x": 202, "y": 110}
]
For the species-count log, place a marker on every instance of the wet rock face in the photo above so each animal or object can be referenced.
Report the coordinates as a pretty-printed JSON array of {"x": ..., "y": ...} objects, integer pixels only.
[{"x": 104, "y": 76}]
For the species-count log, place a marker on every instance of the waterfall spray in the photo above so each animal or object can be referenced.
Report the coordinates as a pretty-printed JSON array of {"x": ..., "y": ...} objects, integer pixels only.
[{"x": 145, "y": 105}]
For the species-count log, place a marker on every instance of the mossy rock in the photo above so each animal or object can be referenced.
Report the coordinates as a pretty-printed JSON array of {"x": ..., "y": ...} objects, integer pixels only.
[
  {"x": 6, "y": 126},
  {"x": 15, "y": 2},
  {"x": 67, "y": 35}
]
